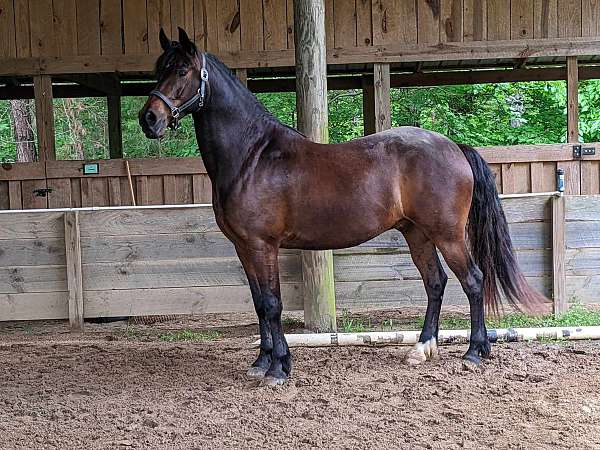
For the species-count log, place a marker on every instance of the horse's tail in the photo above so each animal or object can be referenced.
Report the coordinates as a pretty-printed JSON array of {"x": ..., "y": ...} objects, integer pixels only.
[{"x": 490, "y": 243}]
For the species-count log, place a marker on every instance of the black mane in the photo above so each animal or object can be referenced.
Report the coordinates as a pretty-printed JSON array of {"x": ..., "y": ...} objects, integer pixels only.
[{"x": 167, "y": 62}]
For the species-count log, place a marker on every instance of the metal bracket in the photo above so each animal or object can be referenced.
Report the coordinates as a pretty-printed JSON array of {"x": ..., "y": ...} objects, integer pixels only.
[
  {"x": 580, "y": 151},
  {"x": 42, "y": 192}
]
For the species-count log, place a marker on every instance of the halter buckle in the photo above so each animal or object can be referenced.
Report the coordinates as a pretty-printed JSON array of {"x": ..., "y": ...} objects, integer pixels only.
[
  {"x": 175, "y": 113},
  {"x": 203, "y": 75}
]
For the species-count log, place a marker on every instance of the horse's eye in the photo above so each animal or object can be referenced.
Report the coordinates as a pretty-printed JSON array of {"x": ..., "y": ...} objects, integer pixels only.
[{"x": 182, "y": 72}]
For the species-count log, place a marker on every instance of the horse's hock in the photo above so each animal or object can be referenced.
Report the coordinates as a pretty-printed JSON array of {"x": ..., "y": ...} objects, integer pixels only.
[{"x": 174, "y": 260}]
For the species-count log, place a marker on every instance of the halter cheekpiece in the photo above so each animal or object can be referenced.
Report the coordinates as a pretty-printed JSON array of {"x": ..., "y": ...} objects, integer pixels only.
[{"x": 196, "y": 100}]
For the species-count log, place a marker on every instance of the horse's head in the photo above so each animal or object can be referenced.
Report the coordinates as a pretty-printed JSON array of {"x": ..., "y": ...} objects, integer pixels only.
[{"x": 181, "y": 88}]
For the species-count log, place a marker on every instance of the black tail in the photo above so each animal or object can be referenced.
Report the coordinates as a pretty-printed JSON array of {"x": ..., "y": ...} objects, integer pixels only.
[{"x": 491, "y": 245}]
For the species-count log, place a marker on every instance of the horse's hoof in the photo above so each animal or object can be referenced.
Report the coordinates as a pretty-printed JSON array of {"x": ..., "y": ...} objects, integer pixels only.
[
  {"x": 256, "y": 373},
  {"x": 272, "y": 381},
  {"x": 422, "y": 352},
  {"x": 471, "y": 364}
]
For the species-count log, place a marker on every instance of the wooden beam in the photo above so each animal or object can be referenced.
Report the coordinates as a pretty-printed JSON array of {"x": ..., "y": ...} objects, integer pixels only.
[
  {"x": 368, "y": 105},
  {"x": 44, "y": 115},
  {"x": 108, "y": 84},
  {"x": 115, "y": 135},
  {"x": 383, "y": 117},
  {"x": 74, "y": 273},
  {"x": 388, "y": 53},
  {"x": 559, "y": 278},
  {"x": 311, "y": 104},
  {"x": 572, "y": 99}
]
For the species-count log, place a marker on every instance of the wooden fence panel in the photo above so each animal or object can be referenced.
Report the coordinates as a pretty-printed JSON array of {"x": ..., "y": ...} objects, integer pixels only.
[{"x": 583, "y": 248}]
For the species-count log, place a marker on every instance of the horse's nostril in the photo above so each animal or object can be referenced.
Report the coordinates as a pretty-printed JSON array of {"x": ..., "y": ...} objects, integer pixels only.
[{"x": 150, "y": 118}]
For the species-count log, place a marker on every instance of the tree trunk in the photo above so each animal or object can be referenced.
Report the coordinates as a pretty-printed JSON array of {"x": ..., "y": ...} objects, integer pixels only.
[
  {"x": 22, "y": 123},
  {"x": 73, "y": 108}
]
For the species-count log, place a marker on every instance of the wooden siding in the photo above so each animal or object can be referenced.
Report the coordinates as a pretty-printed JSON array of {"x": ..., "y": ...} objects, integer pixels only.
[
  {"x": 261, "y": 31},
  {"x": 176, "y": 261}
]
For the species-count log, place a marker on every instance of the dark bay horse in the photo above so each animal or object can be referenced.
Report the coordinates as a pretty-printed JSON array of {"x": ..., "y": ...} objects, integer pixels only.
[{"x": 273, "y": 188}]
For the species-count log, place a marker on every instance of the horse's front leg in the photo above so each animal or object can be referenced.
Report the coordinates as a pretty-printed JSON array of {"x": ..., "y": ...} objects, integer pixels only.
[{"x": 274, "y": 361}]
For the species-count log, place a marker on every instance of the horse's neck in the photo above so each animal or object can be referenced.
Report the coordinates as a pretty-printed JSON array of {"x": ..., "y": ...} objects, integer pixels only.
[{"x": 228, "y": 128}]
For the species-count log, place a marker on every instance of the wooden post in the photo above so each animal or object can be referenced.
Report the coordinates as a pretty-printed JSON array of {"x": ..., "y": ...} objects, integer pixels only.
[
  {"x": 572, "y": 168},
  {"x": 383, "y": 112},
  {"x": 311, "y": 104},
  {"x": 74, "y": 275},
  {"x": 368, "y": 105},
  {"x": 242, "y": 75},
  {"x": 559, "y": 294},
  {"x": 44, "y": 117},
  {"x": 115, "y": 134},
  {"x": 572, "y": 99}
]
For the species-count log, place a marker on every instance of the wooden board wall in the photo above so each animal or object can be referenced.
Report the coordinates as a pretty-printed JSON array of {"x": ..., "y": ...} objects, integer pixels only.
[
  {"x": 112, "y": 27},
  {"x": 176, "y": 261},
  {"x": 518, "y": 169},
  {"x": 381, "y": 272},
  {"x": 582, "y": 260}
]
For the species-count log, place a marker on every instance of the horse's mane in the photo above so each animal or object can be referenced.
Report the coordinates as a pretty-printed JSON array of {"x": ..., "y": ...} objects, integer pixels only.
[{"x": 169, "y": 58}]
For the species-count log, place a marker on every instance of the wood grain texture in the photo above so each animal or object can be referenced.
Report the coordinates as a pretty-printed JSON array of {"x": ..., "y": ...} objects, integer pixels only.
[
  {"x": 475, "y": 20},
  {"x": 451, "y": 20},
  {"x": 44, "y": 115},
  {"x": 34, "y": 306},
  {"x": 569, "y": 18},
  {"x": 344, "y": 23},
  {"x": 65, "y": 26},
  {"x": 394, "y": 21},
  {"x": 590, "y": 18},
  {"x": 41, "y": 22},
  {"x": 498, "y": 20},
  {"x": 572, "y": 99},
  {"x": 135, "y": 27},
  {"x": 545, "y": 19},
  {"x": 111, "y": 18},
  {"x": 364, "y": 22},
  {"x": 228, "y": 21},
  {"x": 383, "y": 112},
  {"x": 275, "y": 24},
  {"x": 8, "y": 47},
  {"x": 311, "y": 105},
  {"x": 521, "y": 19},
  {"x": 428, "y": 21},
  {"x": 88, "y": 27},
  {"x": 159, "y": 16},
  {"x": 558, "y": 256},
  {"x": 74, "y": 273},
  {"x": 251, "y": 25}
]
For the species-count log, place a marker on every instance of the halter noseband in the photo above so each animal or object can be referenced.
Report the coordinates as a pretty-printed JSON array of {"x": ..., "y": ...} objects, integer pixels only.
[{"x": 198, "y": 98}]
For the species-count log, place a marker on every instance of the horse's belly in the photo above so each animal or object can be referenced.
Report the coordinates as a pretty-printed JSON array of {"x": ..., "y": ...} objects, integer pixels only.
[{"x": 332, "y": 228}]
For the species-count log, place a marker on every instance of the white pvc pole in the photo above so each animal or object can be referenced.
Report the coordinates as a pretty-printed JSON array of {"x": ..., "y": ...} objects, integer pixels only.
[{"x": 380, "y": 338}]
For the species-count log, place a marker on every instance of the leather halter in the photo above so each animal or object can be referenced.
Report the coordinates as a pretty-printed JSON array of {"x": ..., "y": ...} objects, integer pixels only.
[{"x": 197, "y": 99}]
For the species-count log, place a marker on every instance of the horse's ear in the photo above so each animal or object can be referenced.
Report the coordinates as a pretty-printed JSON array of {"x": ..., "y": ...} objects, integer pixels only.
[
  {"x": 187, "y": 45},
  {"x": 165, "y": 42}
]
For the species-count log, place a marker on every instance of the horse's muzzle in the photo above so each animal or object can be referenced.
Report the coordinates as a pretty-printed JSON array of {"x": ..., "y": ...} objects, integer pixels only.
[{"x": 154, "y": 127}]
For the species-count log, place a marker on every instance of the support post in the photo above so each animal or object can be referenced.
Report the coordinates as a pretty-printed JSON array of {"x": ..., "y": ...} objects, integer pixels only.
[
  {"x": 242, "y": 75},
  {"x": 368, "y": 105},
  {"x": 115, "y": 134},
  {"x": 383, "y": 111},
  {"x": 559, "y": 295},
  {"x": 74, "y": 275},
  {"x": 311, "y": 104},
  {"x": 44, "y": 117},
  {"x": 572, "y": 168}
]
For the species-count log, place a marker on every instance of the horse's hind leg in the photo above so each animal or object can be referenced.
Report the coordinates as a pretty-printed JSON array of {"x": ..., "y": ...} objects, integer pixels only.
[
  {"x": 470, "y": 276},
  {"x": 425, "y": 257}
]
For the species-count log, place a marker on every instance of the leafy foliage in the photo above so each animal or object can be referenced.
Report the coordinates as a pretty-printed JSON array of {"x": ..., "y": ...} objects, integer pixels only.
[{"x": 490, "y": 114}]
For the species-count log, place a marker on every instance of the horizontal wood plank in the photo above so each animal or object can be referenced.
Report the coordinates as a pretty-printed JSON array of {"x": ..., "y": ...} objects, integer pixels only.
[
  {"x": 196, "y": 300},
  {"x": 22, "y": 171},
  {"x": 32, "y": 252},
  {"x": 30, "y": 279},
  {"x": 179, "y": 273},
  {"x": 118, "y": 168},
  {"x": 34, "y": 306},
  {"x": 31, "y": 225}
]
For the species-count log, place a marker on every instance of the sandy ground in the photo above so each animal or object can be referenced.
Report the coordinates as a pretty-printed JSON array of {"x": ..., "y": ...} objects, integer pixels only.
[{"x": 120, "y": 386}]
